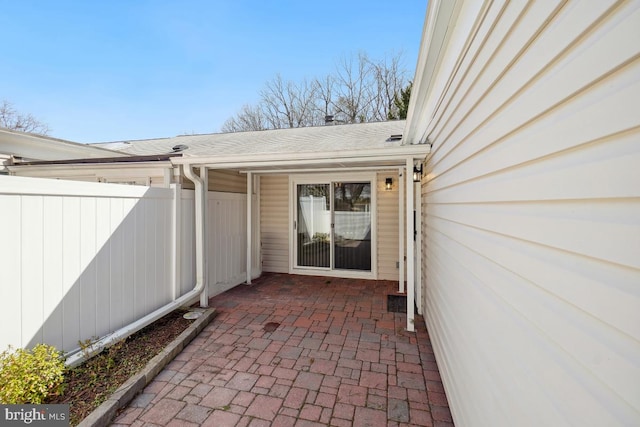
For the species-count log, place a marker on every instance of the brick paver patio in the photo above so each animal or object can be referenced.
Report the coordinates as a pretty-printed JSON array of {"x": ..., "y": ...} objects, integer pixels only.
[{"x": 299, "y": 351}]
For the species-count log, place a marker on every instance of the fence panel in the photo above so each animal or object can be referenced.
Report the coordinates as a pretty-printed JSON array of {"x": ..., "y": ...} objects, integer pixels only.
[{"x": 79, "y": 260}]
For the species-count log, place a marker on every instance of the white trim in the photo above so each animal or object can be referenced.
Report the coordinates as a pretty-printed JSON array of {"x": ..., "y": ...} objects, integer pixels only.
[
  {"x": 401, "y": 208},
  {"x": 320, "y": 170},
  {"x": 328, "y": 178},
  {"x": 258, "y": 230},
  {"x": 249, "y": 223}
]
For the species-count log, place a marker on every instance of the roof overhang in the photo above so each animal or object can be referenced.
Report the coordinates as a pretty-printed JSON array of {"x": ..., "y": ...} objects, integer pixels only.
[
  {"x": 37, "y": 147},
  {"x": 101, "y": 160},
  {"x": 385, "y": 158},
  {"x": 449, "y": 28}
]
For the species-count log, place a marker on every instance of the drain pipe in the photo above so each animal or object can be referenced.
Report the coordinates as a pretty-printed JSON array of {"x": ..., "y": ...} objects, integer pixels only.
[{"x": 80, "y": 356}]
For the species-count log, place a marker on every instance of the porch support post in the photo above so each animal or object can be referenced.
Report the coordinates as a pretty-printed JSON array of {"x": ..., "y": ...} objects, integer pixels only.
[
  {"x": 400, "y": 232},
  {"x": 249, "y": 221},
  {"x": 418, "y": 284},
  {"x": 204, "y": 175},
  {"x": 410, "y": 246}
]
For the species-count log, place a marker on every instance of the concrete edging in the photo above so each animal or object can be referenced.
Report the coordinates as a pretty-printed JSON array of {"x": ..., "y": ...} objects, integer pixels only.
[{"x": 103, "y": 414}]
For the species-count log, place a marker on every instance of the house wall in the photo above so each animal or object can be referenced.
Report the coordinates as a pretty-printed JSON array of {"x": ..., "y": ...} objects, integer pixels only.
[
  {"x": 387, "y": 226},
  {"x": 274, "y": 224},
  {"x": 227, "y": 181},
  {"x": 531, "y": 226}
]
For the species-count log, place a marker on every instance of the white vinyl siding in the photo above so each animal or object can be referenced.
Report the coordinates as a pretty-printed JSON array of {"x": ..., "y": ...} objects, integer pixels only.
[
  {"x": 387, "y": 227},
  {"x": 531, "y": 216},
  {"x": 274, "y": 223},
  {"x": 274, "y": 205},
  {"x": 227, "y": 181}
]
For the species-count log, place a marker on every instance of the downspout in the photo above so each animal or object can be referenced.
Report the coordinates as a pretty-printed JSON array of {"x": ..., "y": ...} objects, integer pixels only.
[
  {"x": 411, "y": 272},
  {"x": 79, "y": 356}
]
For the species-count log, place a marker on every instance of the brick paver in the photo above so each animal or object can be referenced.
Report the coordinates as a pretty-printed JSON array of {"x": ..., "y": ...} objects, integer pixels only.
[{"x": 335, "y": 357}]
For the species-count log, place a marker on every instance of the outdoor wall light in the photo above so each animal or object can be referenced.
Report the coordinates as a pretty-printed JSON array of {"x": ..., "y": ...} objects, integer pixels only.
[
  {"x": 388, "y": 183},
  {"x": 417, "y": 173}
]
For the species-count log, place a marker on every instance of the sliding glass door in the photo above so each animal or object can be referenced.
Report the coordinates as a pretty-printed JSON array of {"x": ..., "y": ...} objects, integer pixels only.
[
  {"x": 333, "y": 225},
  {"x": 352, "y": 225},
  {"x": 313, "y": 225}
]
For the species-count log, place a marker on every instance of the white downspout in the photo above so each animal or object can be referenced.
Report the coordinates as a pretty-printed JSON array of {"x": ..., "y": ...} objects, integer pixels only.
[
  {"x": 410, "y": 245},
  {"x": 78, "y": 357}
]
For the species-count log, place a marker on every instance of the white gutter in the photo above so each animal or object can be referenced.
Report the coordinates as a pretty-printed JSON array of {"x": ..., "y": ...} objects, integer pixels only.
[{"x": 78, "y": 357}]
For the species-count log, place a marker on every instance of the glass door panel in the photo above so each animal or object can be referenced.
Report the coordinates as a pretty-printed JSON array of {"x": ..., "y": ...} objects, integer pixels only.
[
  {"x": 352, "y": 225},
  {"x": 313, "y": 230}
]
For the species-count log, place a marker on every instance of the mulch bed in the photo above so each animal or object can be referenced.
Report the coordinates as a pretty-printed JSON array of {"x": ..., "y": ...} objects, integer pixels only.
[{"x": 91, "y": 383}]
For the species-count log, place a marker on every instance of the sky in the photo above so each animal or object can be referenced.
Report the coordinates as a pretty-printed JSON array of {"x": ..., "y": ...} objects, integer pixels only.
[{"x": 98, "y": 71}]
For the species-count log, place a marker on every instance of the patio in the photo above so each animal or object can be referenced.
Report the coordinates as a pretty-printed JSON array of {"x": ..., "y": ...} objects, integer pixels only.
[{"x": 299, "y": 351}]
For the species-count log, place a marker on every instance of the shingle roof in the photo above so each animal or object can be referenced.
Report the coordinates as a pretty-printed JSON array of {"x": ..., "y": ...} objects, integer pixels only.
[{"x": 318, "y": 139}]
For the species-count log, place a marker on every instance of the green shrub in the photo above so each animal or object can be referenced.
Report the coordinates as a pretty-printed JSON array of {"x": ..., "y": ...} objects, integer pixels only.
[{"x": 29, "y": 376}]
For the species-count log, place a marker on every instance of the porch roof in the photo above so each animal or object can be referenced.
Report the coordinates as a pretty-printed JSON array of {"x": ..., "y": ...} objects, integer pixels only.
[
  {"x": 37, "y": 147},
  {"x": 362, "y": 145},
  {"x": 281, "y": 141}
]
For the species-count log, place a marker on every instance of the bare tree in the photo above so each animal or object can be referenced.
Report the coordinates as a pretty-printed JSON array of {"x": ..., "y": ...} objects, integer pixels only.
[
  {"x": 389, "y": 79},
  {"x": 325, "y": 98},
  {"x": 288, "y": 105},
  {"x": 354, "y": 92},
  {"x": 248, "y": 119},
  {"x": 12, "y": 119},
  {"x": 360, "y": 90}
]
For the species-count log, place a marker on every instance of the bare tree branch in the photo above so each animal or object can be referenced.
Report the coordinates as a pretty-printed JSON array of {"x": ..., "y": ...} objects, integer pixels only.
[
  {"x": 12, "y": 119},
  {"x": 360, "y": 90},
  {"x": 248, "y": 119}
]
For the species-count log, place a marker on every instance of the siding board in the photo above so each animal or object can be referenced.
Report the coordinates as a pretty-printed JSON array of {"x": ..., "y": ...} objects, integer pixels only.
[
  {"x": 387, "y": 227},
  {"x": 531, "y": 225},
  {"x": 274, "y": 223}
]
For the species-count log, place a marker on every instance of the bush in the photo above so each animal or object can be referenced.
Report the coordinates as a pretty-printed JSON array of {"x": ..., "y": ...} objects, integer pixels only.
[{"x": 29, "y": 376}]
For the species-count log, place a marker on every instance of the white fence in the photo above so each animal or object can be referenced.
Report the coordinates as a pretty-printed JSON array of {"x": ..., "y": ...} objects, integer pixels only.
[
  {"x": 227, "y": 241},
  {"x": 80, "y": 260}
]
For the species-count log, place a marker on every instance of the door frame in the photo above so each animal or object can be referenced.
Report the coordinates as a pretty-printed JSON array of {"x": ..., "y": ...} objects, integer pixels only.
[{"x": 330, "y": 178}]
